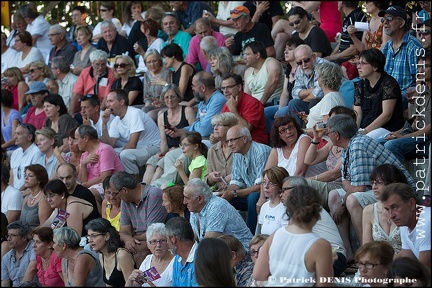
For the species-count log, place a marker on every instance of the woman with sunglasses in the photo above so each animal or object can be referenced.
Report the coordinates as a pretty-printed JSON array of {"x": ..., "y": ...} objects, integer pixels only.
[
  {"x": 125, "y": 71},
  {"x": 116, "y": 261},
  {"x": 106, "y": 12},
  {"x": 376, "y": 223},
  {"x": 160, "y": 258},
  {"x": 255, "y": 245},
  {"x": 271, "y": 214},
  {"x": 39, "y": 71}
]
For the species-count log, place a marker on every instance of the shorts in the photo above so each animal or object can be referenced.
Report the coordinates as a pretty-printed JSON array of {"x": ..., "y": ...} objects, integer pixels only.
[{"x": 364, "y": 198}]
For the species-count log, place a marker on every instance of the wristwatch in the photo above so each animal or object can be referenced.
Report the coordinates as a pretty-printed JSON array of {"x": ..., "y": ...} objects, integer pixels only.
[{"x": 235, "y": 193}]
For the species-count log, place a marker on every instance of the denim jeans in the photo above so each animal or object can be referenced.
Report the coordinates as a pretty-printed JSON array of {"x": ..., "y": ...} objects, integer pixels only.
[
  {"x": 408, "y": 148},
  {"x": 248, "y": 204}
]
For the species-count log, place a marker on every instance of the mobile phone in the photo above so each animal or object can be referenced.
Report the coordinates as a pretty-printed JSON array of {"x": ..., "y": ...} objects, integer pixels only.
[
  {"x": 223, "y": 180},
  {"x": 169, "y": 127}
]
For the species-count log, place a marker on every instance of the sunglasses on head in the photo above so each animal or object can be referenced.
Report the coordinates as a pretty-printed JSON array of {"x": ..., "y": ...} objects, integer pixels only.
[
  {"x": 307, "y": 60},
  {"x": 296, "y": 22},
  {"x": 121, "y": 65},
  {"x": 235, "y": 11}
]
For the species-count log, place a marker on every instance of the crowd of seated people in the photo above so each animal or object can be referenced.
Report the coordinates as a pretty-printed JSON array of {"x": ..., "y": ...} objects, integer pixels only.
[{"x": 112, "y": 174}]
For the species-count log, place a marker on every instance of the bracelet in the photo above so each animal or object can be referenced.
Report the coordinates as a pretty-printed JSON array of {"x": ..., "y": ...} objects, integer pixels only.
[
  {"x": 314, "y": 143},
  {"x": 316, "y": 177}
]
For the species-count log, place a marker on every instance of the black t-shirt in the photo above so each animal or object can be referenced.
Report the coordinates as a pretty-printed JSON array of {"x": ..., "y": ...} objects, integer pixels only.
[
  {"x": 318, "y": 41},
  {"x": 120, "y": 46},
  {"x": 357, "y": 15},
  {"x": 275, "y": 9},
  {"x": 259, "y": 32},
  {"x": 134, "y": 84},
  {"x": 85, "y": 193}
]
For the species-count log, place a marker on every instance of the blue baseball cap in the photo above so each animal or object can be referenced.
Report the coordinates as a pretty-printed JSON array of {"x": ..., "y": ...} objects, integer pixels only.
[{"x": 36, "y": 87}]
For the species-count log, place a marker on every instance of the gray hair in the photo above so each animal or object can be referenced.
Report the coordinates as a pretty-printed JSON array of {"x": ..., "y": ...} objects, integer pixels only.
[
  {"x": 123, "y": 179},
  {"x": 226, "y": 118},
  {"x": 152, "y": 52},
  {"x": 296, "y": 180},
  {"x": 171, "y": 86},
  {"x": 156, "y": 228},
  {"x": 330, "y": 74},
  {"x": 244, "y": 131},
  {"x": 224, "y": 58},
  {"x": 303, "y": 46},
  {"x": 181, "y": 228},
  {"x": 200, "y": 188},
  {"x": 87, "y": 130},
  {"x": 67, "y": 235},
  {"x": 107, "y": 23},
  {"x": 344, "y": 124},
  {"x": 57, "y": 28},
  {"x": 23, "y": 227},
  {"x": 208, "y": 43},
  {"x": 60, "y": 63},
  {"x": 98, "y": 55}
]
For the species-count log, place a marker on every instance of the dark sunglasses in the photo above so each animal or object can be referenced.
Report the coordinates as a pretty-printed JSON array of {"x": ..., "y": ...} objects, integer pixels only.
[
  {"x": 296, "y": 22},
  {"x": 307, "y": 60},
  {"x": 121, "y": 65},
  {"x": 425, "y": 32},
  {"x": 103, "y": 10},
  {"x": 235, "y": 11},
  {"x": 32, "y": 70}
]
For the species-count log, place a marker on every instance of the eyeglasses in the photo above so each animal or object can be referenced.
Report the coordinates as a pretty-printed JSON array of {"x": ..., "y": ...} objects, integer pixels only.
[
  {"x": 387, "y": 18},
  {"x": 53, "y": 34},
  {"x": 228, "y": 87},
  {"x": 361, "y": 63},
  {"x": 93, "y": 236},
  {"x": 184, "y": 145},
  {"x": 12, "y": 235},
  {"x": 219, "y": 125},
  {"x": 121, "y": 65},
  {"x": 304, "y": 61},
  {"x": 366, "y": 265},
  {"x": 377, "y": 182},
  {"x": 234, "y": 11},
  {"x": 33, "y": 70},
  {"x": 103, "y": 10},
  {"x": 328, "y": 133},
  {"x": 271, "y": 184},
  {"x": 287, "y": 188},
  {"x": 109, "y": 193},
  {"x": 232, "y": 140},
  {"x": 285, "y": 130},
  {"x": 114, "y": 194},
  {"x": 155, "y": 242},
  {"x": 152, "y": 62},
  {"x": 296, "y": 22},
  {"x": 170, "y": 97},
  {"x": 253, "y": 252},
  {"x": 425, "y": 32}
]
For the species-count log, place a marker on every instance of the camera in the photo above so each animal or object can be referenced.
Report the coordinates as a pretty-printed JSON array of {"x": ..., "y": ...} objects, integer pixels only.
[{"x": 321, "y": 126}]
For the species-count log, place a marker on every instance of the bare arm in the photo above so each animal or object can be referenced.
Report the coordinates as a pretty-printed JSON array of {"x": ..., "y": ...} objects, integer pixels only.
[
  {"x": 347, "y": 53},
  {"x": 84, "y": 263},
  {"x": 246, "y": 76},
  {"x": 105, "y": 138},
  {"x": 319, "y": 258},
  {"x": 367, "y": 224},
  {"x": 261, "y": 270},
  {"x": 74, "y": 103},
  {"x": 126, "y": 262},
  {"x": 190, "y": 115},
  {"x": 186, "y": 72},
  {"x": 359, "y": 112},
  {"x": 30, "y": 272},
  {"x": 301, "y": 167},
  {"x": 309, "y": 6},
  {"x": 275, "y": 70},
  {"x": 163, "y": 139},
  {"x": 133, "y": 141},
  {"x": 22, "y": 88},
  {"x": 11, "y": 142},
  {"x": 219, "y": 22},
  {"x": 283, "y": 100},
  {"x": 44, "y": 211}
]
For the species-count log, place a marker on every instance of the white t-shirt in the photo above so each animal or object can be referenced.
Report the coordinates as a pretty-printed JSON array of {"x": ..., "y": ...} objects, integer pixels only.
[
  {"x": 11, "y": 199},
  {"x": 271, "y": 218},
  {"x": 419, "y": 239},
  {"x": 8, "y": 59},
  {"x": 166, "y": 275},
  {"x": 135, "y": 120},
  {"x": 323, "y": 107},
  {"x": 98, "y": 125},
  {"x": 34, "y": 55},
  {"x": 19, "y": 160},
  {"x": 41, "y": 27}
]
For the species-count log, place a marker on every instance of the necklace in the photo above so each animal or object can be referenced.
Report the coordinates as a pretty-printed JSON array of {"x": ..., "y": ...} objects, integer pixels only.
[
  {"x": 389, "y": 222},
  {"x": 34, "y": 198}
]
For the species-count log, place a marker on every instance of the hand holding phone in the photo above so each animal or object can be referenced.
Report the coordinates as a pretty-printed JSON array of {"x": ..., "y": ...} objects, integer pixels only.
[{"x": 169, "y": 127}]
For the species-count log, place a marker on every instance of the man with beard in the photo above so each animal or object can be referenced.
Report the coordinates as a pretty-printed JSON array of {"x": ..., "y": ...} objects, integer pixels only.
[
  {"x": 306, "y": 89},
  {"x": 211, "y": 103}
]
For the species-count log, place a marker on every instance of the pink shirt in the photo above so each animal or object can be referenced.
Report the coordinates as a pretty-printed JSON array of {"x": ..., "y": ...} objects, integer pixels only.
[
  {"x": 50, "y": 277},
  {"x": 108, "y": 160},
  {"x": 36, "y": 120},
  {"x": 86, "y": 82},
  {"x": 194, "y": 53}
]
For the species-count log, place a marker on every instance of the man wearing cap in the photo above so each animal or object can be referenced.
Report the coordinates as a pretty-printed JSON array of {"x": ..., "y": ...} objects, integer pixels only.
[
  {"x": 248, "y": 31},
  {"x": 36, "y": 114},
  {"x": 401, "y": 50}
]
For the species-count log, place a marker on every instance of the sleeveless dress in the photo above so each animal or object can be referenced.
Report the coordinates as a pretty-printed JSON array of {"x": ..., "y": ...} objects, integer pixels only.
[
  {"x": 176, "y": 80},
  {"x": 378, "y": 232},
  {"x": 30, "y": 214},
  {"x": 374, "y": 39},
  {"x": 94, "y": 278}
]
